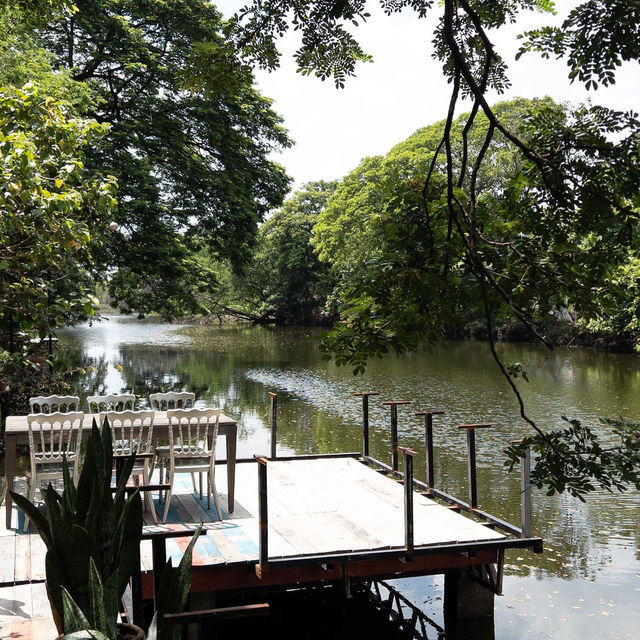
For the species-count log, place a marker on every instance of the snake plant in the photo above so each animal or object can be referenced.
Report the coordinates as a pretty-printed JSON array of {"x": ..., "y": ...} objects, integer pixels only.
[{"x": 92, "y": 534}]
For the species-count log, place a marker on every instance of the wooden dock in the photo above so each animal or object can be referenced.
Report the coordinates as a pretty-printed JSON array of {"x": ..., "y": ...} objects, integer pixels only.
[{"x": 329, "y": 519}]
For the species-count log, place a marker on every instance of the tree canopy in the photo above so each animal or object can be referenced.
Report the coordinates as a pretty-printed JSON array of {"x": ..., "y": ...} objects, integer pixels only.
[
  {"x": 189, "y": 139},
  {"x": 284, "y": 281},
  {"x": 55, "y": 213},
  {"x": 563, "y": 223},
  {"x": 55, "y": 217}
]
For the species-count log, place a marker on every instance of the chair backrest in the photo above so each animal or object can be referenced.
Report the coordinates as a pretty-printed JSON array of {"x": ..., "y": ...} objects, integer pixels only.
[
  {"x": 53, "y": 434},
  {"x": 131, "y": 431},
  {"x": 49, "y": 404},
  {"x": 114, "y": 402},
  {"x": 172, "y": 400},
  {"x": 191, "y": 429}
]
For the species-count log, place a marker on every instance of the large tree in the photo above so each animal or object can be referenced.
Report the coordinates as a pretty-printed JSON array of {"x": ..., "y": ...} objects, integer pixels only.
[
  {"x": 188, "y": 143},
  {"x": 54, "y": 217},
  {"x": 570, "y": 208},
  {"x": 284, "y": 282}
]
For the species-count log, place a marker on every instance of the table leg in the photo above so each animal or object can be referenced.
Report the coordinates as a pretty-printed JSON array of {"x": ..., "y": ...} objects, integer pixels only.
[
  {"x": 231, "y": 437},
  {"x": 9, "y": 472}
]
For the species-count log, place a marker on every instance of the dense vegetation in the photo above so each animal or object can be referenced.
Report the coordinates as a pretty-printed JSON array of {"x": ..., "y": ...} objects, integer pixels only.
[
  {"x": 511, "y": 214},
  {"x": 183, "y": 135},
  {"x": 558, "y": 235}
]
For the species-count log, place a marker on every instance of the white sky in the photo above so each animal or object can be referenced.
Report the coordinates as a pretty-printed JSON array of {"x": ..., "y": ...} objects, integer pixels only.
[{"x": 401, "y": 91}]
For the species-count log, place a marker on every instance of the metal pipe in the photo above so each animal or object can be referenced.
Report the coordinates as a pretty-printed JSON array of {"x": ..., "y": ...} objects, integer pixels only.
[
  {"x": 471, "y": 467},
  {"x": 408, "y": 498},
  {"x": 393, "y": 404},
  {"x": 159, "y": 559},
  {"x": 365, "y": 418},
  {"x": 274, "y": 420},
  {"x": 525, "y": 479},
  {"x": 394, "y": 437},
  {"x": 263, "y": 549},
  {"x": 428, "y": 443},
  {"x": 471, "y": 460}
]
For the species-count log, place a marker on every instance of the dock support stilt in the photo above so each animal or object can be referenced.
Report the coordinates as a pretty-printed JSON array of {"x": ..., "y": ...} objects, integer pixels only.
[
  {"x": 471, "y": 460},
  {"x": 365, "y": 418},
  {"x": 428, "y": 443},
  {"x": 274, "y": 422},
  {"x": 465, "y": 598},
  {"x": 393, "y": 404}
]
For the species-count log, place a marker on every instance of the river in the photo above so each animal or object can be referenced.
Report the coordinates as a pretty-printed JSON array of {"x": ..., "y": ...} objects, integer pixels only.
[{"x": 587, "y": 582}]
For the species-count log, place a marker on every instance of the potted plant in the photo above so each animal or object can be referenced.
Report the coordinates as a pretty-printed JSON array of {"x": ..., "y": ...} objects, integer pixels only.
[{"x": 92, "y": 537}]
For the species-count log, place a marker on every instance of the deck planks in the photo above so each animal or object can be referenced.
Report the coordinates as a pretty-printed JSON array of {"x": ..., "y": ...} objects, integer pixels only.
[{"x": 317, "y": 506}]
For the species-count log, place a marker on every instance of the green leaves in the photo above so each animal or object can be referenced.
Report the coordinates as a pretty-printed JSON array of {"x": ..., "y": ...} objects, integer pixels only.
[
  {"x": 172, "y": 593},
  {"x": 328, "y": 49},
  {"x": 189, "y": 141},
  {"x": 50, "y": 211},
  {"x": 575, "y": 459},
  {"x": 596, "y": 37},
  {"x": 92, "y": 538}
]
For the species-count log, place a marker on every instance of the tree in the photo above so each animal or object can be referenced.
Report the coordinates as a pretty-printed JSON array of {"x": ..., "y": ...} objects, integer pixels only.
[
  {"x": 23, "y": 60},
  {"x": 574, "y": 199},
  {"x": 389, "y": 270},
  {"x": 55, "y": 215},
  {"x": 188, "y": 142},
  {"x": 284, "y": 282}
]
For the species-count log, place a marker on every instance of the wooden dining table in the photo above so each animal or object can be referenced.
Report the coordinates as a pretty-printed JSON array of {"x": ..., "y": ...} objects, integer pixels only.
[{"x": 17, "y": 433}]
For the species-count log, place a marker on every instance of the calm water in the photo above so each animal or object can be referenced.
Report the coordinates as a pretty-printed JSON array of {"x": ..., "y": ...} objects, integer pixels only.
[{"x": 587, "y": 583}]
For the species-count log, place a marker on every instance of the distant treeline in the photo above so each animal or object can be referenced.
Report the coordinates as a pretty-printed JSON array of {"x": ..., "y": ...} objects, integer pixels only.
[{"x": 336, "y": 251}]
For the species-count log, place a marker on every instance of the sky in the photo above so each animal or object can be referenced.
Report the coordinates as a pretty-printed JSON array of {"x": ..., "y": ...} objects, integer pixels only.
[{"x": 402, "y": 91}]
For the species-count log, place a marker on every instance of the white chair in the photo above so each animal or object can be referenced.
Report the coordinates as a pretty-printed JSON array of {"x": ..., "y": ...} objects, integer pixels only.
[
  {"x": 172, "y": 400},
  {"x": 190, "y": 432},
  {"x": 49, "y": 404},
  {"x": 114, "y": 402},
  {"x": 52, "y": 436},
  {"x": 165, "y": 401},
  {"x": 132, "y": 432}
]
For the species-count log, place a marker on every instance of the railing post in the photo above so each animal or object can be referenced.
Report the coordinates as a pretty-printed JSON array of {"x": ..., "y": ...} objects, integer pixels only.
[
  {"x": 365, "y": 419},
  {"x": 428, "y": 443},
  {"x": 274, "y": 419},
  {"x": 525, "y": 485},
  {"x": 393, "y": 404},
  {"x": 159, "y": 559},
  {"x": 263, "y": 547},
  {"x": 471, "y": 460},
  {"x": 136, "y": 592},
  {"x": 408, "y": 498}
]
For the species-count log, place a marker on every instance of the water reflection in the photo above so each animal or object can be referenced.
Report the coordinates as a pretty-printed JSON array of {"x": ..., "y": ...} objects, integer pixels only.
[{"x": 591, "y": 559}]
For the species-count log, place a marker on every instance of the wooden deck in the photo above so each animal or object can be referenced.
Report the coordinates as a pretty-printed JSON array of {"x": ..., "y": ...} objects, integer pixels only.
[{"x": 318, "y": 508}]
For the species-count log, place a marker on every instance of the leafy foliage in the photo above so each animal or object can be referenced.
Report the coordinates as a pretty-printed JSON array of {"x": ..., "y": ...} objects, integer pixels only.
[
  {"x": 328, "y": 49},
  {"x": 92, "y": 536},
  {"x": 54, "y": 213},
  {"x": 597, "y": 37},
  {"x": 189, "y": 141},
  {"x": 575, "y": 460},
  {"x": 23, "y": 60},
  {"x": 561, "y": 225},
  {"x": 284, "y": 282},
  {"x": 54, "y": 218},
  {"x": 404, "y": 277}
]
